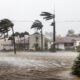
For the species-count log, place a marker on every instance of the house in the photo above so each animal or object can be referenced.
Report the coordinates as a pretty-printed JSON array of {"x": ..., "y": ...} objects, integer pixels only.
[
  {"x": 32, "y": 42},
  {"x": 67, "y": 43},
  {"x": 5, "y": 44},
  {"x": 35, "y": 42}
]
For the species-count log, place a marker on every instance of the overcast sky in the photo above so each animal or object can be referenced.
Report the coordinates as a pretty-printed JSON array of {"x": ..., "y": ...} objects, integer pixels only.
[{"x": 24, "y": 12}]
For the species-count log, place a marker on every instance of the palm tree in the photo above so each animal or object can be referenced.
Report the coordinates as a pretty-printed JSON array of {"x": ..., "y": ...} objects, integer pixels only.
[
  {"x": 5, "y": 26},
  {"x": 21, "y": 35},
  {"x": 26, "y": 33},
  {"x": 38, "y": 26},
  {"x": 17, "y": 34},
  {"x": 49, "y": 16}
]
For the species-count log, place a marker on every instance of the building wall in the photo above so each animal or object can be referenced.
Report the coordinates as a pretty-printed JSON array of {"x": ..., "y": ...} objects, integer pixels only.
[
  {"x": 5, "y": 44},
  {"x": 32, "y": 41},
  {"x": 49, "y": 45},
  {"x": 60, "y": 46}
]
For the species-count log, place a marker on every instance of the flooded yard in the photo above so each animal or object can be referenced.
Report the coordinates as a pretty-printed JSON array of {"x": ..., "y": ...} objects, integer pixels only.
[{"x": 36, "y": 65}]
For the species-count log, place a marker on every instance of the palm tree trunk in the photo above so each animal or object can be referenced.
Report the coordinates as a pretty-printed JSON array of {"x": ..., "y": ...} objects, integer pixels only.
[
  {"x": 24, "y": 43},
  {"x": 41, "y": 39},
  {"x": 14, "y": 41}
]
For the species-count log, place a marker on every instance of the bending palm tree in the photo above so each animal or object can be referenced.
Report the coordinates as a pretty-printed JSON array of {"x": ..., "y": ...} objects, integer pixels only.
[
  {"x": 49, "y": 16},
  {"x": 6, "y": 26},
  {"x": 38, "y": 26}
]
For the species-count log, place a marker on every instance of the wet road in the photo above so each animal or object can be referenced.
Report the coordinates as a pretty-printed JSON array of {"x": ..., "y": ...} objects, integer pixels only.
[{"x": 37, "y": 66}]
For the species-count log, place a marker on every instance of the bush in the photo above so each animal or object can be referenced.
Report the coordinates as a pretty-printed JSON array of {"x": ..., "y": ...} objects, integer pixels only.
[
  {"x": 76, "y": 67},
  {"x": 78, "y": 48},
  {"x": 53, "y": 48}
]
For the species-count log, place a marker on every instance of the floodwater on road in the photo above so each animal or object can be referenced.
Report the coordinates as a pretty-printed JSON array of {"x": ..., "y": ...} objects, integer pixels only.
[{"x": 37, "y": 65}]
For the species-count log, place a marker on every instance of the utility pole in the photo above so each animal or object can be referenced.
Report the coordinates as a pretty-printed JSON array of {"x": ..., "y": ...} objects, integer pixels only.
[{"x": 54, "y": 30}]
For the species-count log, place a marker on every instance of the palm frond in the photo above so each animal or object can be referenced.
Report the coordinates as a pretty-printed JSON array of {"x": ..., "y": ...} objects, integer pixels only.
[
  {"x": 26, "y": 33},
  {"x": 47, "y": 15},
  {"x": 37, "y": 24}
]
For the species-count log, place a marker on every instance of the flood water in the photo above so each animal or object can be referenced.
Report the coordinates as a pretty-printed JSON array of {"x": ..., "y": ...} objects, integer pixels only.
[{"x": 37, "y": 65}]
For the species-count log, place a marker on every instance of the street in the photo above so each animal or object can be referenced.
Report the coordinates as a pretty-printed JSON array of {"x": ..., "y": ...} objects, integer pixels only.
[{"x": 36, "y": 65}]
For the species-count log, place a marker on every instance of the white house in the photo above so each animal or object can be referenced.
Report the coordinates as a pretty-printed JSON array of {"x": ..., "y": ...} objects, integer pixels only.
[
  {"x": 5, "y": 44},
  {"x": 67, "y": 43}
]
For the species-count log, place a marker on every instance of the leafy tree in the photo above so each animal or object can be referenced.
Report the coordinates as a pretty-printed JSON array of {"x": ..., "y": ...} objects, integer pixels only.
[
  {"x": 49, "y": 16},
  {"x": 70, "y": 33},
  {"x": 76, "y": 67},
  {"x": 16, "y": 34},
  {"x": 78, "y": 48},
  {"x": 38, "y": 26}
]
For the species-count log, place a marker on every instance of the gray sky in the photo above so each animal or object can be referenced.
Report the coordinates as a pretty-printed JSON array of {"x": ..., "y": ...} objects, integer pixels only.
[{"x": 29, "y": 10}]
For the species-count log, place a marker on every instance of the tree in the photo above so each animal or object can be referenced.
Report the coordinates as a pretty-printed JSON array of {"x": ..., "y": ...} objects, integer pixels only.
[
  {"x": 17, "y": 34},
  {"x": 70, "y": 33},
  {"x": 38, "y": 26},
  {"x": 5, "y": 26},
  {"x": 22, "y": 35},
  {"x": 26, "y": 33},
  {"x": 76, "y": 67},
  {"x": 49, "y": 16}
]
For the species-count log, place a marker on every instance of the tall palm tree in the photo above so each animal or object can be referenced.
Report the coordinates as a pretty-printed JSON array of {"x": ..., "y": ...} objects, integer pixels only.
[
  {"x": 49, "y": 16},
  {"x": 5, "y": 26},
  {"x": 38, "y": 26}
]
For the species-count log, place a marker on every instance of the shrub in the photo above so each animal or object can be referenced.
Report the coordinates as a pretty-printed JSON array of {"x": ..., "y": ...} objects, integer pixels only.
[
  {"x": 78, "y": 48},
  {"x": 76, "y": 67}
]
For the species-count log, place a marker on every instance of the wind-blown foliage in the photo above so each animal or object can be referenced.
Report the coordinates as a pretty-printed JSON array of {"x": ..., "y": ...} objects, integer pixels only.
[
  {"x": 5, "y": 25},
  {"x": 76, "y": 67},
  {"x": 47, "y": 15},
  {"x": 37, "y": 24}
]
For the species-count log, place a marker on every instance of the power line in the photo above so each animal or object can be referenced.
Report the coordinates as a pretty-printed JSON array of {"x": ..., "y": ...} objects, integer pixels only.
[
  {"x": 66, "y": 21},
  {"x": 21, "y": 21}
]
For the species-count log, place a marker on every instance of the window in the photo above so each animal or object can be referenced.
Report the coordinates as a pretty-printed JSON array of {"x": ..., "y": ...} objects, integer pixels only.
[{"x": 68, "y": 44}]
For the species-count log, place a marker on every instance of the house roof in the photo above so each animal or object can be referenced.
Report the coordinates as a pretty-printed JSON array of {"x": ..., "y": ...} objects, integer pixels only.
[{"x": 67, "y": 39}]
